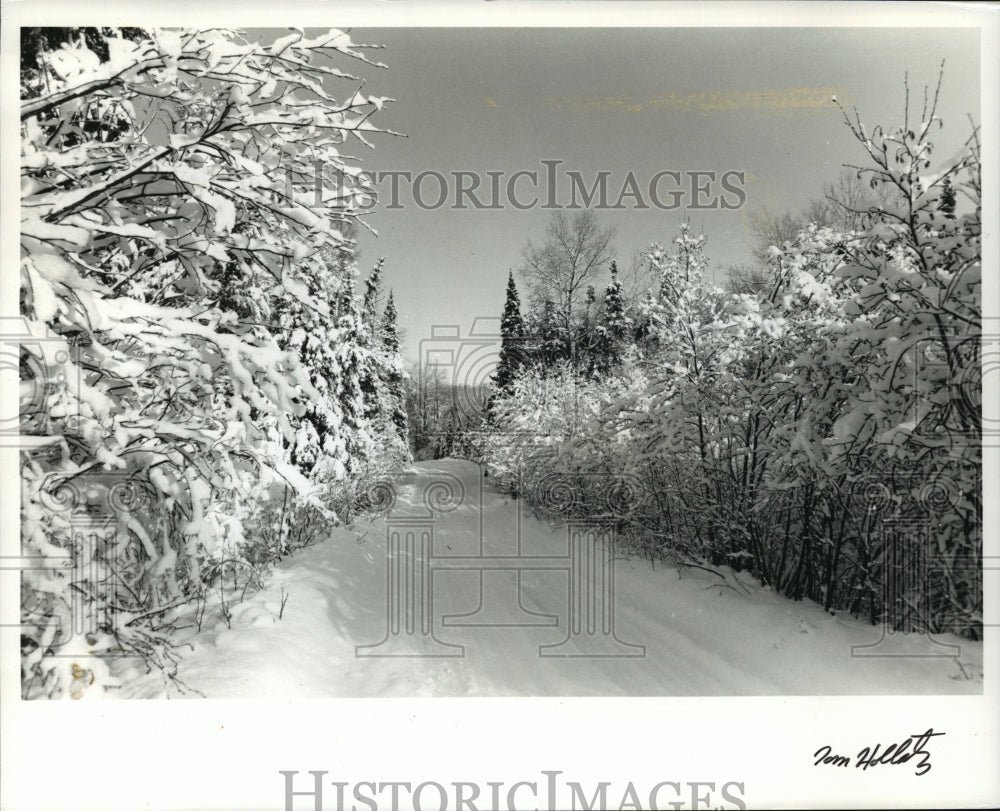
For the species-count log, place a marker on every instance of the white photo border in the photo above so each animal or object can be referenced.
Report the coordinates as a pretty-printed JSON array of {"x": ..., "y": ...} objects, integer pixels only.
[{"x": 228, "y": 754}]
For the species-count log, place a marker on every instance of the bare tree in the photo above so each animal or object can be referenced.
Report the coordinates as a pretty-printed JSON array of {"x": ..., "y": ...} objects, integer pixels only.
[
  {"x": 638, "y": 278},
  {"x": 845, "y": 205},
  {"x": 748, "y": 278},
  {"x": 576, "y": 252},
  {"x": 770, "y": 228},
  {"x": 849, "y": 200}
]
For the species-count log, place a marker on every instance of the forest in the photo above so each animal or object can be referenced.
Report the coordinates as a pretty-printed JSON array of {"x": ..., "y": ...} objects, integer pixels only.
[
  {"x": 815, "y": 421},
  {"x": 210, "y": 377},
  {"x": 204, "y": 379}
]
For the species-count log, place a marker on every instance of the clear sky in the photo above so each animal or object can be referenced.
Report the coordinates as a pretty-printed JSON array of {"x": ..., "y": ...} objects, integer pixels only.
[{"x": 646, "y": 100}]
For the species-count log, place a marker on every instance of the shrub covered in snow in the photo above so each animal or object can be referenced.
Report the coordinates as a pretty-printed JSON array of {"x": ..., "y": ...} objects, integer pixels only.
[
  {"x": 822, "y": 430},
  {"x": 188, "y": 268}
]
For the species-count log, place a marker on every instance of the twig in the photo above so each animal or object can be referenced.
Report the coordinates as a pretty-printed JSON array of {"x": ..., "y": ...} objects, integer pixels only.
[{"x": 156, "y": 611}]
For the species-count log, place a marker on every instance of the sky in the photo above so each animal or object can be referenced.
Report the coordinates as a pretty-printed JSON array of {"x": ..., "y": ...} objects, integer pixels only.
[{"x": 756, "y": 101}]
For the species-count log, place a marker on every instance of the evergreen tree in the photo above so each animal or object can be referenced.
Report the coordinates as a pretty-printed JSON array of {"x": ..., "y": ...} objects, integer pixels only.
[
  {"x": 614, "y": 308},
  {"x": 511, "y": 339},
  {"x": 197, "y": 359},
  {"x": 551, "y": 339},
  {"x": 946, "y": 202},
  {"x": 451, "y": 433},
  {"x": 395, "y": 378},
  {"x": 370, "y": 321},
  {"x": 319, "y": 429},
  {"x": 354, "y": 364},
  {"x": 373, "y": 292},
  {"x": 390, "y": 337},
  {"x": 586, "y": 346},
  {"x": 607, "y": 338}
]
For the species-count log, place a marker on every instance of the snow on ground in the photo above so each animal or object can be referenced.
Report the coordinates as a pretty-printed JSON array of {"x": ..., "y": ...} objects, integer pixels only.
[{"x": 702, "y": 635}]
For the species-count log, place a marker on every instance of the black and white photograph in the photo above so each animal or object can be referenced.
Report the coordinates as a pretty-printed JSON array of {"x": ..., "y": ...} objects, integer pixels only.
[{"x": 600, "y": 411}]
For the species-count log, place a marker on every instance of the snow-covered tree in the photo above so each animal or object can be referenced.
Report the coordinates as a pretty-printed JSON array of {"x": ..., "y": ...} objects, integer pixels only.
[
  {"x": 512, "y": 339},
  {"x": 783, "y": 426},
  {"x": 917, "y": 313},
  {"x": 370, "y": 338},
  {"x": 551, "y": 342},
  {"x": 182, "y": 194},
  {"x": 614, "y": 308},
  {"x": 395, "y": 375},
  {"x": 559, "y": 272}
]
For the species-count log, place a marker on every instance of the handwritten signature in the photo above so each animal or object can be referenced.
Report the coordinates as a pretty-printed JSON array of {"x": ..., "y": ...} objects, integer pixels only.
[{"x": 895, "y": 754}]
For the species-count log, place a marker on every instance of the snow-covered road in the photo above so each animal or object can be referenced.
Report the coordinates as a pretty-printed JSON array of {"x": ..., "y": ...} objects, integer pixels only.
[{"x": 678, "y": 633}]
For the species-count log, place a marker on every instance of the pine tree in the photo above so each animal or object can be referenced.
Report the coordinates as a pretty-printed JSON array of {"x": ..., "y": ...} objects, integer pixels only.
[
  {"x": 314, "y": 335},
  {"x": 614, "y": 308},
  {"x": 611, "y": 330},
  {"x": 380, "y": 377},
  {"x": 191, "y": 355},
  {"x": 946, "y": 202},
  {"x": 354, "y": 365},
  {"x": 449, "y": 444},
  {"x": 511, "y": 340},
  {"x": 332, "y": 431},
  {"x": 395, "y": 378},
  {"x": 551, "y": 339},
  {"x": 390, "y": 337},
  {"x": 373, "y": 291},
  {"x": 370, "y": 321}
]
